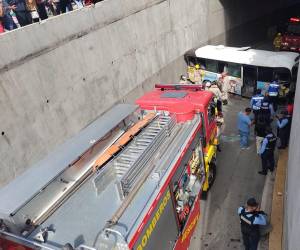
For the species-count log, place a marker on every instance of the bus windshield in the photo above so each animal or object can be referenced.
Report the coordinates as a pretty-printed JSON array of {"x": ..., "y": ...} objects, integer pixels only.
[{"x": 293, "y": 28}]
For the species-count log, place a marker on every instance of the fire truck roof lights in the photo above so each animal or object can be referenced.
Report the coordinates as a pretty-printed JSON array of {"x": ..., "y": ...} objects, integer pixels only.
[
  {"x": 178, "y": 87},
  {"x": 294, "y": 19}
]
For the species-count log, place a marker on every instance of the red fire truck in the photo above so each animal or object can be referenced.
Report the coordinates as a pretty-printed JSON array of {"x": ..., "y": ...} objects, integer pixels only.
[
  {"x": 132, "y": 179},
  {"x": 290, "y": 40}
]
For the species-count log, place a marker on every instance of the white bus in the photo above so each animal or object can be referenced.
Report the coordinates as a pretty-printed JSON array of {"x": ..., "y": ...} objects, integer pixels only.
[{"x": 247, "y": 69}]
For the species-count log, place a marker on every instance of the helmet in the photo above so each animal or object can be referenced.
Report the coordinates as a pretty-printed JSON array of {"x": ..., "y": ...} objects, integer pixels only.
[{"x": 197, "y": 66}]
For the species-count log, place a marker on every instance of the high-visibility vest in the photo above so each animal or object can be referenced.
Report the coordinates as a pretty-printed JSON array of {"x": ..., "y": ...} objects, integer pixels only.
[
  {"x": 256, "y": 102},
  {"x": 273, "y": 89}
]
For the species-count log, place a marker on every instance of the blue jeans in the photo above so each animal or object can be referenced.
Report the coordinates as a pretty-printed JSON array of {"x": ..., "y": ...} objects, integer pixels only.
[{"x": 244, "y": 139}]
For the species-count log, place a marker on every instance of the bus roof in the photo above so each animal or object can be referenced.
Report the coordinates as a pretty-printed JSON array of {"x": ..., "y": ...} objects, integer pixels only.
[{"x": 248, "y": 56}]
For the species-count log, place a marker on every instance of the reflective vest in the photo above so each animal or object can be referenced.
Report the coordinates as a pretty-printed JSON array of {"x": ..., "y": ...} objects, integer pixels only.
[
  {"x": 247, "y": 225},
  {"x": 273, "y": 89},
  {"x": 271, "y": 142},
  {"x": 257, "y": 101},
  {"x": 285, "y": 131},
  {"x": 265, "y": 105}
]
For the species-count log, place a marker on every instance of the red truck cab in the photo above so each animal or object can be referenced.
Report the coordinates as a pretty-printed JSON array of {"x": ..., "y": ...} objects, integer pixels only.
[{"x": 291, "y": 36}]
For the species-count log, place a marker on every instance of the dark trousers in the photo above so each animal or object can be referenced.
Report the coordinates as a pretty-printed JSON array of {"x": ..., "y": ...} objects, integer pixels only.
[
  {"x": 250, "y": 241},
  {"x": 284, "y": 139},
  {"x": 41, "y": 8},
  {"x": 274, "y": 101},
  {"x": 219, "y": 106},
  {"x": 267, "y": 161},
  {"x": 64, "y": 4},
  {"x": 24, "y": 17}
]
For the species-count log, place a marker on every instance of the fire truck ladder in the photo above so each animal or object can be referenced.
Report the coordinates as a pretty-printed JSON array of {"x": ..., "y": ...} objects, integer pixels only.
[{"x": 130, "y": 164}]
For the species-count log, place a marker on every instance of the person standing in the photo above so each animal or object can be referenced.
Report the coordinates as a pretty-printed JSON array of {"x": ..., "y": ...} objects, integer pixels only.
[
  {"x": 277, "y": 42},
  {"x": 224, "y": 82},
  {"x": 273, "y": 91},
  {"x": 7, "y": 19},
  {"x": 32, "y": 8},
  {"x": 256, "y": 101},
  {"x": 23, "y": 16},
  {"x": 267, "y": 152},
  {"x": 244, "y": 124},
  {"x": 260, "y": 129},
  {"x": 1, "y": 16},
  {"x": 220, "y": 129},
  {"x": 213, "y": 87},
  {"x": 251, "y": 217},
  {"x": 283, "y": 129},
  {"x": 267, "y": 109},
  {"x": 41, "y": 8}
]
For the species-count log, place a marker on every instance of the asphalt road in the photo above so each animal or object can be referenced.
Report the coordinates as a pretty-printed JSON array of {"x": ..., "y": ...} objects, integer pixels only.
[{"x": 237, "y": 180}]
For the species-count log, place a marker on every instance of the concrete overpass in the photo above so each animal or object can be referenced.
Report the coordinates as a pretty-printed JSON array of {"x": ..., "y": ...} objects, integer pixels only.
[{"x": 58, "y": 76}]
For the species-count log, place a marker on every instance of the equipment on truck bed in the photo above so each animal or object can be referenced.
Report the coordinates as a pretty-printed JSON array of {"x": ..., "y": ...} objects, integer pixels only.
[{"x": 133, "y": 179}]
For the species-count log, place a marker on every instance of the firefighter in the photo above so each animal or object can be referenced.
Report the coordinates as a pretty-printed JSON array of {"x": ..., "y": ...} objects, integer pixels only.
[
  {"x": 267, "y": 152},
  {"x": 277, "y": 41},
  {"x": 283, "y": 129},
  {"x": 213, "y": 87},
  {"x": 273, "y": 91},
  {"x": 251, "y": 218},
  {"x": 256, "y": 101},
  {"x": 197, "y": 74}
]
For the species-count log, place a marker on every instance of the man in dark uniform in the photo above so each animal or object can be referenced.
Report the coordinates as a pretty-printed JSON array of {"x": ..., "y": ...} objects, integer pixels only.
[
  {"x": 267, "y": 109},
  {"x": 251, "y": 217},
  {"x": 267, "y": 152},
  {"x": 256, "y": 101},
  {"x": 283, "y": 129}
]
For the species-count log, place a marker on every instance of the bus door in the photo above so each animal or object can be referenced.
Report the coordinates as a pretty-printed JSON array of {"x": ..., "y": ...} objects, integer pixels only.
[{"x": 249, "y": 80}]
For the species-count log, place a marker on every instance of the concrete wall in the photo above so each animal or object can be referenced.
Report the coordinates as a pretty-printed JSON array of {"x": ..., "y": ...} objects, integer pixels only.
[
  {"x": 58, "y": 76},
  {"x": 292, "y": 199}
]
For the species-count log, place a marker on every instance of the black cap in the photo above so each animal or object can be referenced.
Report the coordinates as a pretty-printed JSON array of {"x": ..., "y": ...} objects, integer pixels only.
[{"x": 252, "y": 202}]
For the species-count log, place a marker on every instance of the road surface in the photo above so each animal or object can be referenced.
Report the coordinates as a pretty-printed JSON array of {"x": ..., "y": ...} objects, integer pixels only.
[{"x": 237, "y": 180}]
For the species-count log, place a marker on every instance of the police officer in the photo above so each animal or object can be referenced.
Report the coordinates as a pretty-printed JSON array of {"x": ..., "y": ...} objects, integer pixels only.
[
  {"x": 267, "y": 109},
  {"x": 256, "y": 101},
  {"x": 251, "y": 217},
  {"x": 283, "y": 129},
  {"x": 267, "y": 152},
  {"x": 273, "y": 91}
]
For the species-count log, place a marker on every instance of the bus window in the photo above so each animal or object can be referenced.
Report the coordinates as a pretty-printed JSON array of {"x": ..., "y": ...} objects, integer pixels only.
[
  {"x": 212, "y": 66},
  {"x": 234, "y": 70},
  {"x": 265, "y": 74},
  {"x": 282, "y": 74},
  {"x": 221, "y": 67}
]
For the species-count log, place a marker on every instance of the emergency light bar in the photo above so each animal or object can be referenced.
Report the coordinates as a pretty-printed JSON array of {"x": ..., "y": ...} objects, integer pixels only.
[
  {"x": 178, "y": 87},
  {"x": 294, "y": 19}
]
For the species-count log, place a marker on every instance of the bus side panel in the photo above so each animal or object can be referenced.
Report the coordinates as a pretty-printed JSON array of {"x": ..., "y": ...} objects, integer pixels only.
[
  {"x": 184, "y": 240},
  {"x": 161, "y": 229}
]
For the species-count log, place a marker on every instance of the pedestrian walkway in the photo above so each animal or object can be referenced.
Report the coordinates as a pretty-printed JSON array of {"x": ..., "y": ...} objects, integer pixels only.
[{"x": 237, "y": 180}]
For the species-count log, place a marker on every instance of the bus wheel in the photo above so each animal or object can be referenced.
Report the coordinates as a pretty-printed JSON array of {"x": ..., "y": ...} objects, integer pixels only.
[{"x": 211, "y": 179}]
